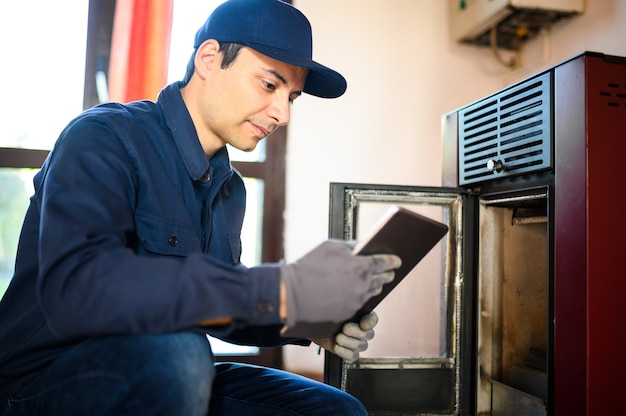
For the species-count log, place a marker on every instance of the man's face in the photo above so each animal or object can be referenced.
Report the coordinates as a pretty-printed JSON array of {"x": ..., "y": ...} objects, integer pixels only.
[{"x": 244, "y": 103}]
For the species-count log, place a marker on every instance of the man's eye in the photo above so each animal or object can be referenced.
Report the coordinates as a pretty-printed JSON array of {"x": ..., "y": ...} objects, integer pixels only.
[{"x": 269, "y": 85}]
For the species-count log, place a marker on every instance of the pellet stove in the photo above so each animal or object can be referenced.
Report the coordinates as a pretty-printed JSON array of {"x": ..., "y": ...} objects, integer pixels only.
[{"x": 520, "y": 309}]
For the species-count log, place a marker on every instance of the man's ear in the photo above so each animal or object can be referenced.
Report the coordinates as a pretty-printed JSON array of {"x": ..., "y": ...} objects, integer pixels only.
[{"x": 206, "y": 58}]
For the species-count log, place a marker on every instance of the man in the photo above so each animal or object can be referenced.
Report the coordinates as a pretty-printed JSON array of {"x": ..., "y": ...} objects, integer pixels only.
[{"x": 129, "y": 253}]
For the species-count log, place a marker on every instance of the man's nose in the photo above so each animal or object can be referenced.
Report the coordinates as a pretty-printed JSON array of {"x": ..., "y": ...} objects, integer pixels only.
[{"x": 280, "y": 110}]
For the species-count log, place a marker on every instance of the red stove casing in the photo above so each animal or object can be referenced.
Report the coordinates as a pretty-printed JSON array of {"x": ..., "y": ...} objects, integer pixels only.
[{"x": 532, "y": 275}]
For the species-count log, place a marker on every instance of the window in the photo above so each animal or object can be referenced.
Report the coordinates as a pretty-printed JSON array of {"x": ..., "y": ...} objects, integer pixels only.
[{"x": 39, "y": 97}]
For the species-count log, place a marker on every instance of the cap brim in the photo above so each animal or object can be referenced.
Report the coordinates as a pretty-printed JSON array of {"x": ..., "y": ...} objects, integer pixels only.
[{"x": 322, "y": 81}]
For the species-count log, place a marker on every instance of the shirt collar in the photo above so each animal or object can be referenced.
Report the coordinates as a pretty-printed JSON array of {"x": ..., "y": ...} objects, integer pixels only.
[{"x": 185, "y": 136}]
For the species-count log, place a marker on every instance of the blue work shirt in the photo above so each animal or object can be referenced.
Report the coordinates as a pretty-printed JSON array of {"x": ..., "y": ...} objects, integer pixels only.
[{"x": 131, "y": 229}]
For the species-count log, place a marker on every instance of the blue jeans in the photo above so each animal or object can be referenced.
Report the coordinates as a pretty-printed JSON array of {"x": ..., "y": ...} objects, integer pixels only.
[{"x": 169, "y": 374}]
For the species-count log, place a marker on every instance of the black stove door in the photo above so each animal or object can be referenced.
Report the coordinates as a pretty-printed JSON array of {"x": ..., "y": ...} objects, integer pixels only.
[{"x": 421, "y": 359}]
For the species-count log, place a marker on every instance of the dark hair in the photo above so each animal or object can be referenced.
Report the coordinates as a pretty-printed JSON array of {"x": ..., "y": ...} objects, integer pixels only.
[{"x": 229, "y": 51}]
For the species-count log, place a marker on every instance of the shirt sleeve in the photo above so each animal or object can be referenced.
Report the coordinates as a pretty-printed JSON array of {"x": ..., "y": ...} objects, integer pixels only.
[{"x": 92, "y": 279}]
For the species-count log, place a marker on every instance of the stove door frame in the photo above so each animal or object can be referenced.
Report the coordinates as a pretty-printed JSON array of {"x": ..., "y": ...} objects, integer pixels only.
[{"x": 392, "y": 385}]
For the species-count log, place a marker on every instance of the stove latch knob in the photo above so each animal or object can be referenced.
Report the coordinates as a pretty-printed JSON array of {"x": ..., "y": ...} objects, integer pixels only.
[{"x": 494, "y": 165}]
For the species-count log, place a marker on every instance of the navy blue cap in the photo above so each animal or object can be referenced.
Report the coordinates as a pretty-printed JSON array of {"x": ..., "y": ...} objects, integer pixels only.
[{"x": 275, "y": 29}]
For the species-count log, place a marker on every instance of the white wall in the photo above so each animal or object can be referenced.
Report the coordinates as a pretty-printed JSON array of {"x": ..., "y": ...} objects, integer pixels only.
[{"x": 403, "y": 73}]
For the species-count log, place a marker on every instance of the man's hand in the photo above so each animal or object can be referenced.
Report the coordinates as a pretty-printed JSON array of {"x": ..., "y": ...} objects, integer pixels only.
[
  {"x": 352, "y": 340},
  {"x": 330, "y": 284}
]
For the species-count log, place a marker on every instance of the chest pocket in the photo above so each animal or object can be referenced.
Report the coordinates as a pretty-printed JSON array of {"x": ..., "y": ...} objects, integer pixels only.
[{"x": 161, "y": 237}]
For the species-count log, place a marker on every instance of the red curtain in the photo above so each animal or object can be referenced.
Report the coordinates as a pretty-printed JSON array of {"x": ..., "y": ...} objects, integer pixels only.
[{"x": 139, "y": 49}]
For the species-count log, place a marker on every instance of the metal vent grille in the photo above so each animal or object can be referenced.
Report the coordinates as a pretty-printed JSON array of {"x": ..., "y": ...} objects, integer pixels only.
[{"x": 507, "y": 134}]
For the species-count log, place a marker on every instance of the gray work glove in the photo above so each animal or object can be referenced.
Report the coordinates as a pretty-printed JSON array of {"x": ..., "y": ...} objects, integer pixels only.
[
  {"x": 352, "y": 339},
  {"x": 330, "y": 284}
]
